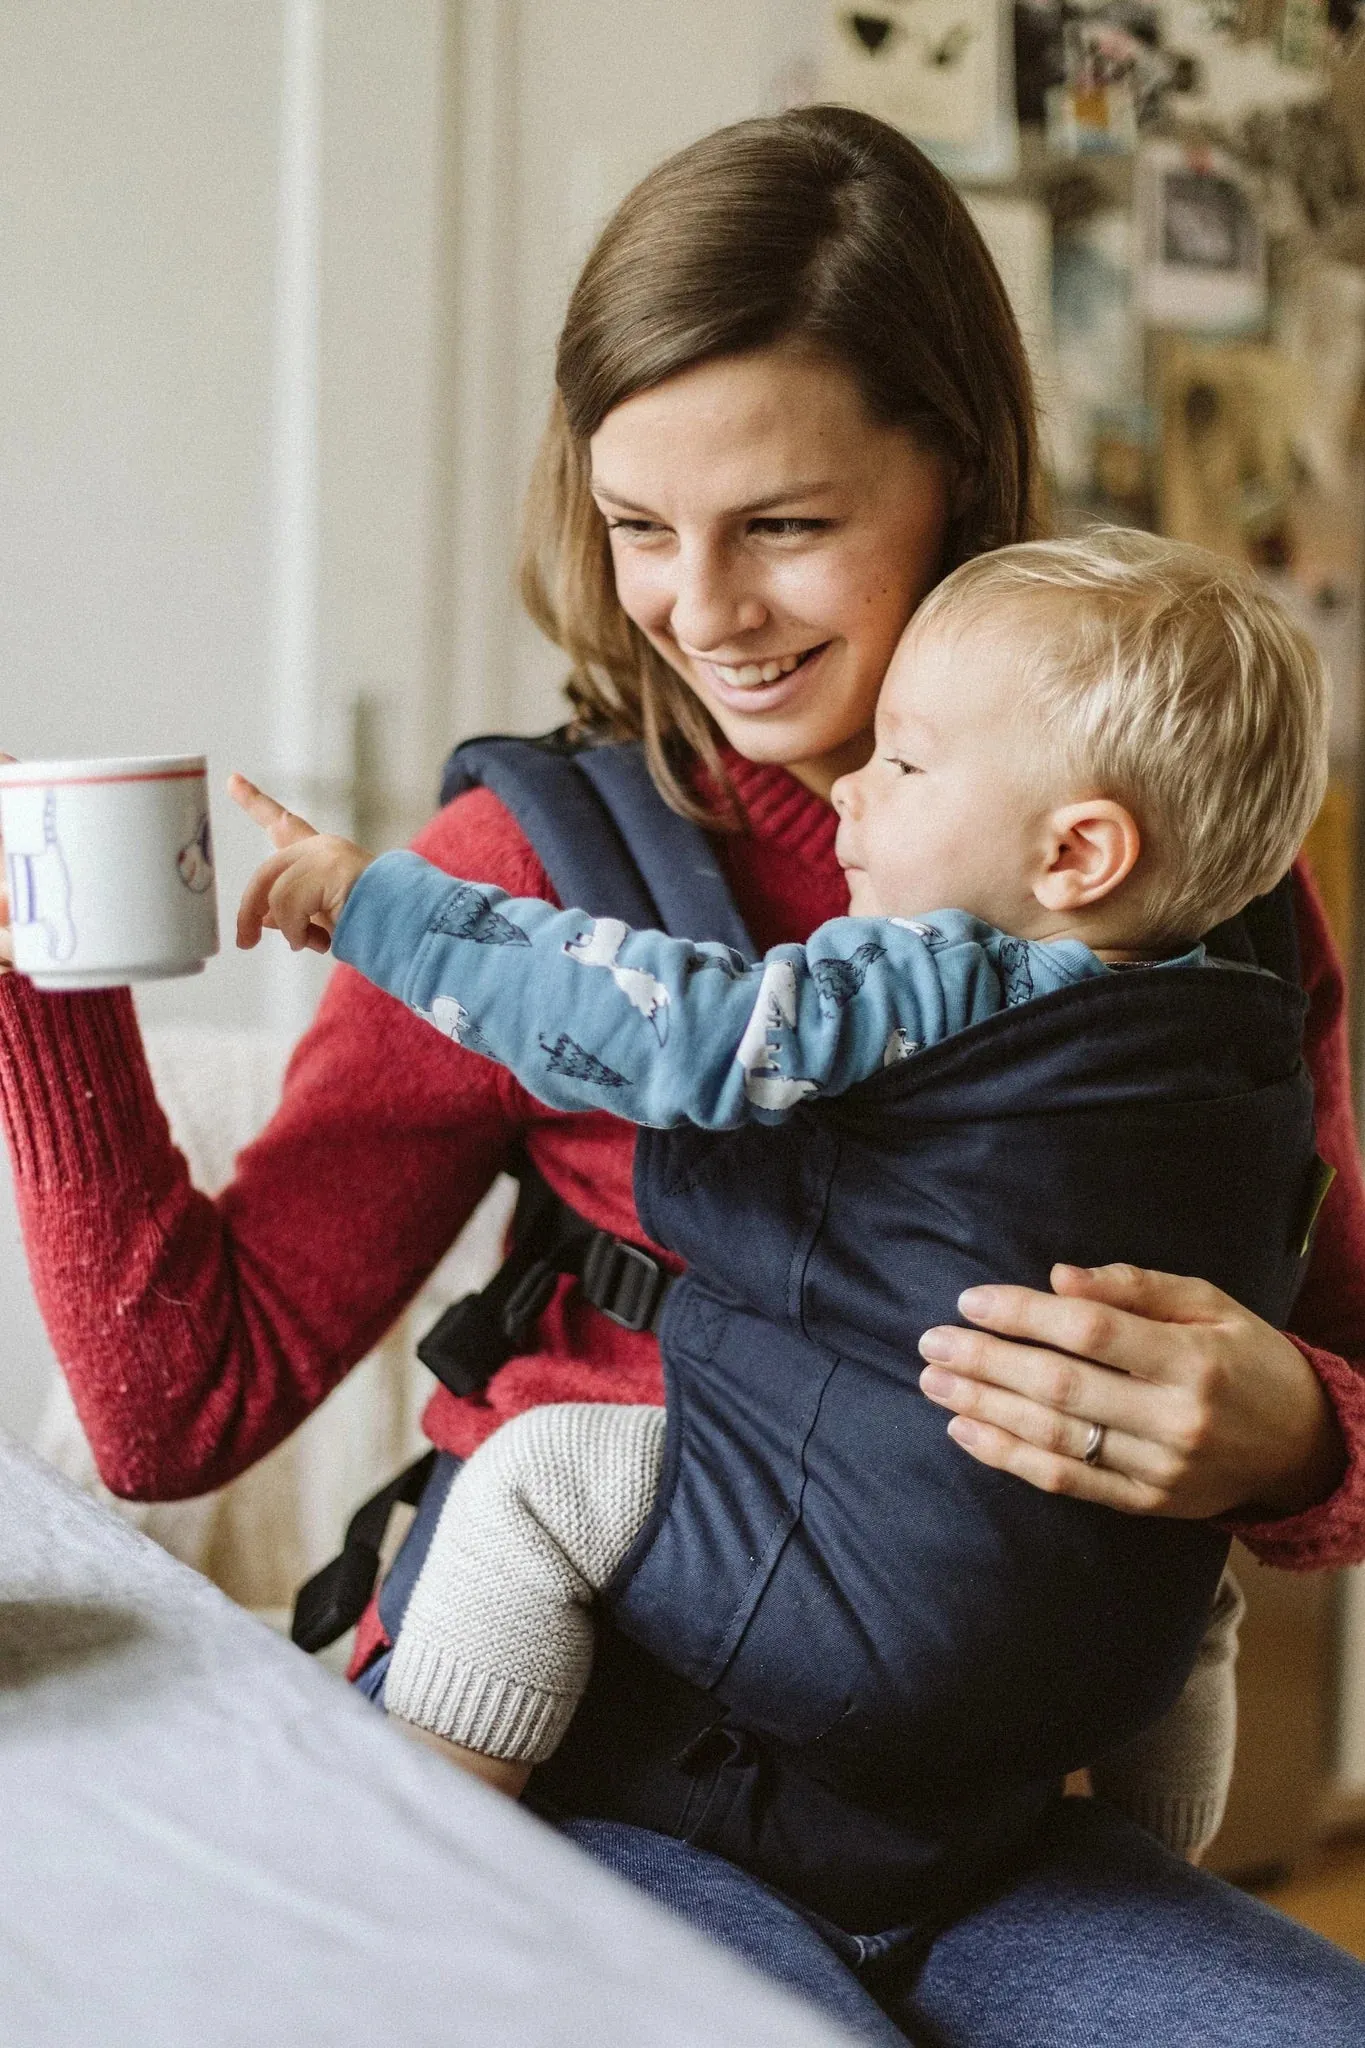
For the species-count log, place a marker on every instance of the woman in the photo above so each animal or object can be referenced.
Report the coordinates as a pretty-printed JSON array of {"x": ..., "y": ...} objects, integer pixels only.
[{"x": 791, "y": 395}]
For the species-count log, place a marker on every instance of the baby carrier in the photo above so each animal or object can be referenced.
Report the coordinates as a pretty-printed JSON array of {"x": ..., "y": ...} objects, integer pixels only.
[{"x": 846, "y": 1655}]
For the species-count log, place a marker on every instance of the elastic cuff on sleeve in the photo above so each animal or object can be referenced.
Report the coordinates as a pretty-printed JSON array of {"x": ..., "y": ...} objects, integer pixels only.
[
  {"x": 1332, "y": 1533},
  {"x": 498, "y": 1717},
  {"x": 1184, "y": 1825}
]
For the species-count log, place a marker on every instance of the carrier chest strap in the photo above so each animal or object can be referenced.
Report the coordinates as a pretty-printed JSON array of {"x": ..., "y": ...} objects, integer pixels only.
[
  {"x": 465, "y": 1348},
  {"x": 478, "y": 1334}
]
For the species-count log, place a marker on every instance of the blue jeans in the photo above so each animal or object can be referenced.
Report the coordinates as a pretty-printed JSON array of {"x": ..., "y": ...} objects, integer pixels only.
[{"x": 1106, "y": 1941}]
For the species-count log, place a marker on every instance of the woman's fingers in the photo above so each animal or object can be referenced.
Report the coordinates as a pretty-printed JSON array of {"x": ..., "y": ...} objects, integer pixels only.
[
  {"x": 284, "y": 827},
  {"x": 1142, "y": 1291},
  {"x": 980, "y": 1365},
  {"x": 1060, "y": 1429},
  {"x": 1104, "y": 1485},
  {"x": 1099, "y": 1318}
]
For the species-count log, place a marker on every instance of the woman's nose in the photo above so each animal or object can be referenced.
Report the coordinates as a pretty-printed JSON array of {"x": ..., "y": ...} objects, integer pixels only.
[{"x": 713, "y": 604}]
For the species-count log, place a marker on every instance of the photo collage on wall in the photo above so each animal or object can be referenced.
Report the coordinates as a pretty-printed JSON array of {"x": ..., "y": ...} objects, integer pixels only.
[{"x": 1174, "y": 194}]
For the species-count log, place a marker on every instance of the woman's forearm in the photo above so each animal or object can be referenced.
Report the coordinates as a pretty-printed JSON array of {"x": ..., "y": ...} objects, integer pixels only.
[
  {"x": 196, "y": 1334},
  {"x": 1316, "y": 1518},
  {"x": 1317, "y": 1523}
]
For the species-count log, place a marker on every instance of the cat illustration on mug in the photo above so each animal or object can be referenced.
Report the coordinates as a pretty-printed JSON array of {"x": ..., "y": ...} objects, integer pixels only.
[
  {"x": 40, "y": 885},
  {"x": 194, "y": 862}
]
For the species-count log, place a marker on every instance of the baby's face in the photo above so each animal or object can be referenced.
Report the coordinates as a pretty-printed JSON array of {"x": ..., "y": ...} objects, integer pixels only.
[{"x": 951, "y": 811}]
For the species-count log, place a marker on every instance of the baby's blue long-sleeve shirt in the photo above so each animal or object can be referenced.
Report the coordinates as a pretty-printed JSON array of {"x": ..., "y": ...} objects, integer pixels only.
[{"x": 589, "y": 1014}]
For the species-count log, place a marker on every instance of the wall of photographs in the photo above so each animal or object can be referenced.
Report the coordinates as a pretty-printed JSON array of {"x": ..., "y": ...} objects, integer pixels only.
[
  {"x": 1175, "y": 194},
  {"x": 1174, "y": 191}
]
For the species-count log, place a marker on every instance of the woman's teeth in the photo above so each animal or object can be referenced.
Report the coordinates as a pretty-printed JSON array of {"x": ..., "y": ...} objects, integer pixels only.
[{"x": 753, "y": 673}]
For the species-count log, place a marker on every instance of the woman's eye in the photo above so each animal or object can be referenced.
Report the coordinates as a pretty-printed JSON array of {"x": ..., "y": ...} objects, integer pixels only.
[
  {"x": 788, "y": 529},
  {"x": 634, "y": 526}
]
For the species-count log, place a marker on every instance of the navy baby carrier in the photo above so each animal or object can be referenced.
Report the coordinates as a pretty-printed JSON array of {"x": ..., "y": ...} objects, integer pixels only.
[{"x": 845, "y": 1654}]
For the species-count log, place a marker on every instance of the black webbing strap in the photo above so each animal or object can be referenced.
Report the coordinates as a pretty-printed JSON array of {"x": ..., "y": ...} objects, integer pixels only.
[
  {"x": 611, "y": 847},
  {"x": 482, "y": 1331},
  {"x": 465, "y": 1348},
  {"x": 334, "y": 1599}
]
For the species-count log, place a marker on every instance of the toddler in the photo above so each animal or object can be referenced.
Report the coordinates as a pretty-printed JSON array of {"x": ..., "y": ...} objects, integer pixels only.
[{"x": 1087, "y": 755}]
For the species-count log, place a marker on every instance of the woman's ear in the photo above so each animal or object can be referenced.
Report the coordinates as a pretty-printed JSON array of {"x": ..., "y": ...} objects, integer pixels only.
[{"x": 1092, "y": 847}]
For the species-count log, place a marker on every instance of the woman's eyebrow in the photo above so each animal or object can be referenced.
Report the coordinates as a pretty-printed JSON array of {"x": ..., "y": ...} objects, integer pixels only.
[{"x": 793, "y": 494}]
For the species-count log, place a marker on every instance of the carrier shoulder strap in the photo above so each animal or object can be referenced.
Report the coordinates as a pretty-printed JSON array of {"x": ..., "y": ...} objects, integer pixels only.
[
  {"x": 604, "y": 835},
  {"x": 1265, "y": 934},
  {"x": 612, "y": 847}
]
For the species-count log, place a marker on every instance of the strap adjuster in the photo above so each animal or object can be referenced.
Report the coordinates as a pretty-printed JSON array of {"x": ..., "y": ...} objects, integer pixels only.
[{"x": 627, "y": 1285}]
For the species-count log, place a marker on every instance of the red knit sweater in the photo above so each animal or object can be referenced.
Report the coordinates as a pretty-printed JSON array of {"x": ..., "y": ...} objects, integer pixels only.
[{"x": 196, "y": 1334}]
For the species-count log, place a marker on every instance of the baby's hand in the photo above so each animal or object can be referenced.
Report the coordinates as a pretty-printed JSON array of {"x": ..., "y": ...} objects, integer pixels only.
[{"x": 302, "y": 889}]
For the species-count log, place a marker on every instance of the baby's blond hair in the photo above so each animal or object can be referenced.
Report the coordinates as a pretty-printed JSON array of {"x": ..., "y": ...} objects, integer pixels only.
[{"x": 1177, "y": 686}]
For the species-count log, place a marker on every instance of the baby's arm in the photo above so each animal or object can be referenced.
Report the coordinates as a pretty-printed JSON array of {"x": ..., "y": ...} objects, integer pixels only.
[
  {"x": 1173, "y": 1778},
  {"x": 589, "y": 1014},
  {"x": 497, "y": 1640}
]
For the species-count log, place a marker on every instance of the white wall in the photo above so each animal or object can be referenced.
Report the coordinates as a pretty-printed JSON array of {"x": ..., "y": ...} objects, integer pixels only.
[
  {"x": 137, "y": 150},
  {"x": 137, "y": 154},
  {"x": 219, "y": 423},
  {"x": 279, "y": 287},
  {"x": 564, "y": 105}
]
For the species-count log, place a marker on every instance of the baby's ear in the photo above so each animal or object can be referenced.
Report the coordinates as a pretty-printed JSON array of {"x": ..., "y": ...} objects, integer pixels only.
[{"x": 1093, "y": 846}]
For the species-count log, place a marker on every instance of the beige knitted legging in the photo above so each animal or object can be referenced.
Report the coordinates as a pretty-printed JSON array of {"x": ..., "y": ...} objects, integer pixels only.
[{"x": 497, "y": 1641}]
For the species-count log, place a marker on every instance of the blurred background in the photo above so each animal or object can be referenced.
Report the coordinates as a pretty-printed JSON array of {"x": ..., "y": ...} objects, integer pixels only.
[{"x": 279, "y": 288}]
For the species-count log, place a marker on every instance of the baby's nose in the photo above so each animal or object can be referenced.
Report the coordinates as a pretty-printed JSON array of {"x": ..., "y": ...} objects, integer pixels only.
[{"x": 843, "y": 796}]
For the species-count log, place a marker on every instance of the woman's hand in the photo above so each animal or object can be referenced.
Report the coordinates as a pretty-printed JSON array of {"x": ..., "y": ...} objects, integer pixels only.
[
  {"x": 302, "y": 889},
  {"x": 6, "y": 935},
  {"x": 1205, "y": 1409}
]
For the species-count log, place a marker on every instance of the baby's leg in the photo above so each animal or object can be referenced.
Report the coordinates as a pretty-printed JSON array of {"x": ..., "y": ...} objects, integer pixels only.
[
  {"x": 497, "y": 1640},
  {"x": 1173, "y": 1778}
]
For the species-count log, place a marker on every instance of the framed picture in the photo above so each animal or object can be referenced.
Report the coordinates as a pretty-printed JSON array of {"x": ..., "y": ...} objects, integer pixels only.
[
  {"x": 941, "y": 70},
  {"x": 1202, "y": 247},
  {"x": 1229, "y": 418}
]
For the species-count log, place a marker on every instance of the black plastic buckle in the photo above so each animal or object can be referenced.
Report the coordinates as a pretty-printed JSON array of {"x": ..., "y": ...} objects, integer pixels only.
[
  {"x": 334, "y": 1599},
  {"x": 466, "y": 1344},
  {"x": 625, "y": 1283},
  {"x": 528, "y": 1301}
]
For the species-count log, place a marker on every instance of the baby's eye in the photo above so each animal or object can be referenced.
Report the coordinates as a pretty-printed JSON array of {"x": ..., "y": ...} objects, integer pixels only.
[{"x": 902, "y": 767}]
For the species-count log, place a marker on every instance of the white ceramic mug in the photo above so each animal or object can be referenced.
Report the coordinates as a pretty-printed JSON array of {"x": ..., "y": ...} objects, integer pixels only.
[{"x": 110, "y": 869}]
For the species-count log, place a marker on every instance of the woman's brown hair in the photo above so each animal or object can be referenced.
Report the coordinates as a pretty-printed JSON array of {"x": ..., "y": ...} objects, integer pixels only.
[{"x": 820, "y": 228}]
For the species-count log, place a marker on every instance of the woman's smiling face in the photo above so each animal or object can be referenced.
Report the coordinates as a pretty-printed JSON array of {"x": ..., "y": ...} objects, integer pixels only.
[{"x": 771, "y": 540}]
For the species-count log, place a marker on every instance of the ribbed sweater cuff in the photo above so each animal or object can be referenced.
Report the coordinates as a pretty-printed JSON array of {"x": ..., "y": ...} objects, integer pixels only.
[
  {"x": 1330, "y": 1534},
  {"x": 75, "y": 1093},
  {"x": 496, "y": 1716}
]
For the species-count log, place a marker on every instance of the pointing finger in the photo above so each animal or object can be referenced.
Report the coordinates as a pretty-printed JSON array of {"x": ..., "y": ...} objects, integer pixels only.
[{"x": 284, "y": 827}]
